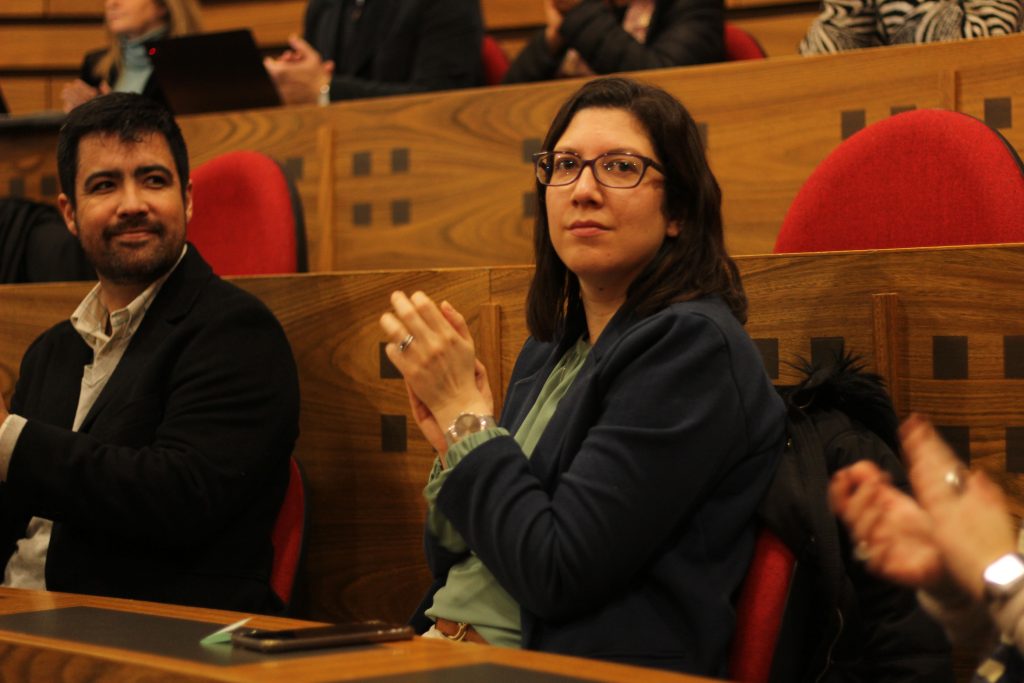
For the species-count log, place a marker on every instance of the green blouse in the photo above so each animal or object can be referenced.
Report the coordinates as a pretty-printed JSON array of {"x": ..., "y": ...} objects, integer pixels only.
[{"x": 471, "y": 594}]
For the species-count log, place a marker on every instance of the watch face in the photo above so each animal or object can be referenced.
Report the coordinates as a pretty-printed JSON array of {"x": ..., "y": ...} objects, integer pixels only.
[{"x": 467, "y": 423}]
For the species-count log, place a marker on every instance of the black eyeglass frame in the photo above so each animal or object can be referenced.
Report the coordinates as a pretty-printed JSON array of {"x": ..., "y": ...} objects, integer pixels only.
[{"x": 646, "y": 162}]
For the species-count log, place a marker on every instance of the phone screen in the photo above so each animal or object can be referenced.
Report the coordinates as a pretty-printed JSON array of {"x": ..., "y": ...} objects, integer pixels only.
[{"x": 320, "y": 636}]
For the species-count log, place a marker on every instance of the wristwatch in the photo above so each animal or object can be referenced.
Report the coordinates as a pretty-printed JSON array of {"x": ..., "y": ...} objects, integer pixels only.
[
  {"x": 466, "y": 424},
  {"x": 1004, "y": 577}
]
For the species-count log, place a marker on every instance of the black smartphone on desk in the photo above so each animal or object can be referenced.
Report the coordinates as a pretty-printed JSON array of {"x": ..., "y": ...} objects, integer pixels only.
[{"x": 356, "y": 633}]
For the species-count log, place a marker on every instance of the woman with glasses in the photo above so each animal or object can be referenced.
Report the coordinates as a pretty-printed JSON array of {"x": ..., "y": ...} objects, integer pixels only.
[
  {"x": 610, "y": 511},
  {"x": 587, "y": 37}
]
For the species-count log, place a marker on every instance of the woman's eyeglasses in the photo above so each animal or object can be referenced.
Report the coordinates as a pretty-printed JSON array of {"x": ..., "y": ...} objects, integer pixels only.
[{"x": 620, "y": 170}]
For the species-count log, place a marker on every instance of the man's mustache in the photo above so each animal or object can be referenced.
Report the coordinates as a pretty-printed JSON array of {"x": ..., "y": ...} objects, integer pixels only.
[{"x": 133, "y": 225}]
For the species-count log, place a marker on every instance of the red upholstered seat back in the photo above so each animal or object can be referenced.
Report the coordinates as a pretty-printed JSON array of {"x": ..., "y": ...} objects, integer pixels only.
[
  {"x": 289, "y": 535},
  {"x": 495, "y": 61},
  {"x": 760, "y": 610},
  {"x": 922, "y": 178},
  {"x": 245, "y": 218},
  {"x": 741, "y": 45}
]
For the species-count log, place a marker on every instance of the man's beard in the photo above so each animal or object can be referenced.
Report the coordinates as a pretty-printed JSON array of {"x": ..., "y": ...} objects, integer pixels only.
[{"x": 127, "y": 265}]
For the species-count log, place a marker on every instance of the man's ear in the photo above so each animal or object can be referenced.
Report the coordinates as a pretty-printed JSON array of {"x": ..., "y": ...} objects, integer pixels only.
[
  {"x": 188, "y": 202},
  {"x": 68, "y": 211}
]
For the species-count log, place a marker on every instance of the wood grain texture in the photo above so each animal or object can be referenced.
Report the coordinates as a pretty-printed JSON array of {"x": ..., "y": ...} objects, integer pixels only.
[
  {"x": 21, "y": 8},
  {"x": 778, "y": 34},
  {"x": 26, "y": 94},
  {"x": 78, "y": 8},
  {"x": 271, "y": 21},
  {"x": 48, "y": 46},
  {"x": 365, "y": 543},
  {"x": 26, "y": 658},
  {"x": 888, "y": 338}
]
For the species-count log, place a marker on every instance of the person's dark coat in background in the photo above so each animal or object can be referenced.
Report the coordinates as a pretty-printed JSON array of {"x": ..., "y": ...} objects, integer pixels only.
[
  {"x": 35, "y": 245},
  {"x": 398, "y": 46},
  {"x": 87, "y": 74},
  {"x": 681, "y": 33}
]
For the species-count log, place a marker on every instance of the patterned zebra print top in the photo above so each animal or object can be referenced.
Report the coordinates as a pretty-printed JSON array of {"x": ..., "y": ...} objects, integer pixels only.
[{"x": 850, "y": 24}]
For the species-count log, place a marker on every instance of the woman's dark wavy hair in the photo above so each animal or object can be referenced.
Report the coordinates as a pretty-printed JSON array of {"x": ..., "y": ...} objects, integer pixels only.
[{"x": 686, "y": 267}]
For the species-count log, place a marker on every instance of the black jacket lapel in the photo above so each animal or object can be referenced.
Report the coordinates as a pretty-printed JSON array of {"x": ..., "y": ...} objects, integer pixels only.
[{"x": 172, "y": 302}]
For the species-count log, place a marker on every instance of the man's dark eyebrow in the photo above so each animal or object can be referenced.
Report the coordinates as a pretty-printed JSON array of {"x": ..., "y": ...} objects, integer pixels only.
[
  {"x": 146, "y": 170},
  {"x": 101, "y": 174}
]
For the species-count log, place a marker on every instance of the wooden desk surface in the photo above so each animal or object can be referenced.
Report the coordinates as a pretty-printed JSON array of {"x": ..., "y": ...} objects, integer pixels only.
[{"x": 29, "y": 657}]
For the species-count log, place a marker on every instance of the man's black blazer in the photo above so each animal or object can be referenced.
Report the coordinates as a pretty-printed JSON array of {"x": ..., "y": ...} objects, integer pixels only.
[
  {"x": 169, "y": 489},
  {"x": 400, "y": 46}
]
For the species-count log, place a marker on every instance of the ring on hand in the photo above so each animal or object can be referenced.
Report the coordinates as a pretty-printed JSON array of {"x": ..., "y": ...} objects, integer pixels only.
[
  {"x": 862, "y": 551},
  {"x": 955, "y": 480},
  {"x": 404, "y": 344}
]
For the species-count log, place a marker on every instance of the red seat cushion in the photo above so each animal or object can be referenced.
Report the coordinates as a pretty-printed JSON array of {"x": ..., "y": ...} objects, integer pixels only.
[
  {"x": 760, "y": 609},
  {"x": 243, "y": 218},
  {"x": 740, "y": 45},
  {"x": 921, "y": 178},
  {"x": 288, "y": 534},
  {"x": 495, "y": 61}
]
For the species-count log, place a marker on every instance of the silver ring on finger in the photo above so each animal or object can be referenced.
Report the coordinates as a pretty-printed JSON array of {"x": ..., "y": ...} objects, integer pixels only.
[
  {"x": 862, "y": 551},
  {"x": 955, "y": 480},
  {"x": 405, "y": 343}
]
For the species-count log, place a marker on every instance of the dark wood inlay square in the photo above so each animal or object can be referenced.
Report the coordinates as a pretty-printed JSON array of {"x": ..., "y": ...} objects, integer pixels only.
[
  {"x": 825, "y": 349},
  {"x": 362, "y": 214},
  {"x": 769, "y": 350},
  {"x": 949, "y": 357},
  {"x": 1013, "y": 356},
  {"x": 1015, "y": 450},
  {"x": 851, "y": 121},
  {"x": 387, "y": 368},
  {"x": 959, "y": 438},
  {"x": 362, "y": 164},
  {"x": 400, "y": 160},
  {"x": 392, "y": 434},
  {"x": 999, "y": 112},
  {"x": 530, "y": 147},
  {"x": 401, "y": 212}
]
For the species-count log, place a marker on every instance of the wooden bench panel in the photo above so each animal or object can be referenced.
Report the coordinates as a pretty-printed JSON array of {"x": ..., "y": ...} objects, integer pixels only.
[
  {"x": 506, "y": 14},
  {"x": 54, "y": 47},
  {"x": 769, "y": 123},
  {"x": 994, "y": 95},
  {"x": 271, "y": 21},
  {"x": 444, "y": 179},
  {"x": 366, "y": 475},
  {"x": 26, "y": 93},
  {"x": 78, "y": 8},
  {"x": 778, "y": 34},
  {"x": 19, "y": 8},
  {"x": 365, "y": 555}
]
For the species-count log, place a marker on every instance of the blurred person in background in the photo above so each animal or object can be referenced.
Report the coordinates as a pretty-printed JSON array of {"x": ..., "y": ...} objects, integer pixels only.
[
  {"x": 587, "y": 37},
  {"x": 377, "y": 48},
  {"x": 124, "y": 65},
  {"x": 851, "y": 24}
]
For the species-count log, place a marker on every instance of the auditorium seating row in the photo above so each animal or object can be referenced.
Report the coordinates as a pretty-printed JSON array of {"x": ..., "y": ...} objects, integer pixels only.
[
  {"x": 944, "y": 326},
  {"x": 42, "y": 41},
  {"x": 445, "y": 180}
]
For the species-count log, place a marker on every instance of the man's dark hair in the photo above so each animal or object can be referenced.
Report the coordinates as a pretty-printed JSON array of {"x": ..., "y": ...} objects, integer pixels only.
[
  {"x": 126, "y": 115},
  {"x": 686, "y": 267}
]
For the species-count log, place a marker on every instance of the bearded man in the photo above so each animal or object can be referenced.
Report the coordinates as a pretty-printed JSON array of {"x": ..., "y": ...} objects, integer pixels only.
[{"x": 146, "y": 451}]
